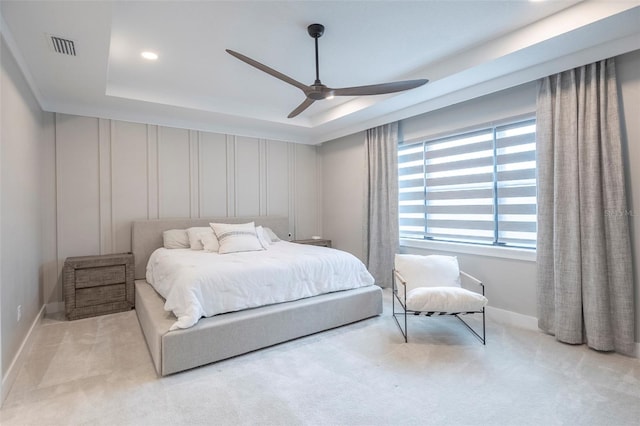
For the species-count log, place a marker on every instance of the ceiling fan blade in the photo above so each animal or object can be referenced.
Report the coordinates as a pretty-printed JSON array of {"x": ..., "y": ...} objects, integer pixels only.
[
  {"x": 268, "y": 70},
  {"x": 304, "y": 105},
  {"x": 379, "y": 89}
]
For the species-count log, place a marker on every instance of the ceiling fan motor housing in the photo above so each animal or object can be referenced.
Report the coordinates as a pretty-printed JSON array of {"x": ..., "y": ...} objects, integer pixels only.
[
  {"x": 319, "y": 92},
  {"x": 315, "y": 30}
]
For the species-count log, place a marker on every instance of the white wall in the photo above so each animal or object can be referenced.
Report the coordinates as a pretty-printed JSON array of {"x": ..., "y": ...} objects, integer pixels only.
[
  {"x": 511, "y": 284},
  {"x": 343, "y": 166},
  {"x": 110, "y": 173},
  {"x": 25, "y": 238}
]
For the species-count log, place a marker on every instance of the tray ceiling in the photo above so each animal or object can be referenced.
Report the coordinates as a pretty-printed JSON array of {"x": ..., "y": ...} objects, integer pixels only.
[{"x": 465, "y": 48}]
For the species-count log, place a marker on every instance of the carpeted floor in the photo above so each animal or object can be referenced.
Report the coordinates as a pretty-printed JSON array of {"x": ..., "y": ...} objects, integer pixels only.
[{"x": 98, "y": 371}]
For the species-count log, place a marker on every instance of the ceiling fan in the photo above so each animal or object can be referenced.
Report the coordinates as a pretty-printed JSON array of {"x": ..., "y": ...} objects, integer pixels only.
[{"x": 318, "y": 91}]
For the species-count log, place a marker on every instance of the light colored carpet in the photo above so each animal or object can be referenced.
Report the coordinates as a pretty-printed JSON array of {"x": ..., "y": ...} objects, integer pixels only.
[{"x": 97, "y": 371}]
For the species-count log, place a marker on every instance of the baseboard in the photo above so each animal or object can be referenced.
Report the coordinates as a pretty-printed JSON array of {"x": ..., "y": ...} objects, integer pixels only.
[
  {"x": 12, "y": 372},
  {"x": 512, "y": 318},
  {"x": 527, "y": 322},
  {"x": 54, "y": 308}
]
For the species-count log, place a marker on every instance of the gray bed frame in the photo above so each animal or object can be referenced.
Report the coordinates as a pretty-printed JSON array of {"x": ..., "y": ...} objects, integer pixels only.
[{"x": 227, "y": 335}]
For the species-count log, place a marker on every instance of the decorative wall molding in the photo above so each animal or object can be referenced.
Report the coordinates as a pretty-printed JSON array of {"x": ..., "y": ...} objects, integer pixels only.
[
  {"x": 105, "y": 130},
  {"x": 111, "y": 172},
  {"x": 291, "y": 167},
  {"x": 194, "y": 173},
  {"x": 263, "y": 177},
  {"x": 512, "y": 318},
  {"x": 231, "y": 177},
  {"x": 153, "y": 197}
]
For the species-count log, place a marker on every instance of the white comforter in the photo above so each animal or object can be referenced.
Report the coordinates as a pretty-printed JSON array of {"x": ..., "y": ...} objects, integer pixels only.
[{"x": 199, "y": 283}]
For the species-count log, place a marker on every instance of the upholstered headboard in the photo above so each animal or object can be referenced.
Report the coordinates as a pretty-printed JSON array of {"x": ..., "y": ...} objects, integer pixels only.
[{"x": 146, "y": 235}]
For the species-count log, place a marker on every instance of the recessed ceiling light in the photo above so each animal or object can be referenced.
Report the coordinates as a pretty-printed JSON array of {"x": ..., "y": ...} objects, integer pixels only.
[{"x": 149, "y": 55}]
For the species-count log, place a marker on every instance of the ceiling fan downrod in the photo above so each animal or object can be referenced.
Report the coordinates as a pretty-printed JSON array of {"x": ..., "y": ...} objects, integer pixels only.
[{"x": 316, "y": 31}]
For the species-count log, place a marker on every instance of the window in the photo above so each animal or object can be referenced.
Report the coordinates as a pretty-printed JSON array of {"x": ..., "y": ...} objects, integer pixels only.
[{"x": 477, "y": 187}]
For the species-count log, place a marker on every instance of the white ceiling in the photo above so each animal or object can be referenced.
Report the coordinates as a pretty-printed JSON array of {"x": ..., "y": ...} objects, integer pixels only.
[{"x": 465, "y": 48}]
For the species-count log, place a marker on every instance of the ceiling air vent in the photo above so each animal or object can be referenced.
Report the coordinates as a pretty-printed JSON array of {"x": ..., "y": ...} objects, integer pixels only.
[{"x": 63, "y": 46}]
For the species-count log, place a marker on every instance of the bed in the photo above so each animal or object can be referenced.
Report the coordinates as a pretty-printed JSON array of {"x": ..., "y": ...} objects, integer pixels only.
[{"x": 229, "y": 334}]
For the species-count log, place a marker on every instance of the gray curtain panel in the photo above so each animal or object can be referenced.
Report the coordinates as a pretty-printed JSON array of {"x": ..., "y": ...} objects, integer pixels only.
[
  {"x": 381, "y": 201},
  {"x": 585, "y": 281}
]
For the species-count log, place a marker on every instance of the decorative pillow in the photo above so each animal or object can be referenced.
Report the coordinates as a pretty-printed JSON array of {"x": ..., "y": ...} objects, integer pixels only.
[
  {"x": 210, "y": 242},
  {"x": 272, "y": 235},
  {"x": 445, "y": 299},
  {"x": 263, "y": 237},
  {"x": 234, "y": 238},
  {"x": 428, "y": 271},
  {"x": 175, "y": 239},
  {"x": 195, "y": 236}
]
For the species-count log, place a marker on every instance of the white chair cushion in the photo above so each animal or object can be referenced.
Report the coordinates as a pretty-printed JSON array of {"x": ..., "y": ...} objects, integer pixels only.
[
  {"x": 428, "y": 271},
  {"x": 444, "y": 299}
]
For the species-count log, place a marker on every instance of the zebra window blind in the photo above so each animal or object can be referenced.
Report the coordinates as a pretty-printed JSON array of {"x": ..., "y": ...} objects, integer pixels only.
[{"x": 476, "y": 187}]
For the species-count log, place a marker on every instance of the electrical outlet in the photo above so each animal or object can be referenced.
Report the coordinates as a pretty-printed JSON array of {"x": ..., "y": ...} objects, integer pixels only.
[{"x": 19, "y": 313}]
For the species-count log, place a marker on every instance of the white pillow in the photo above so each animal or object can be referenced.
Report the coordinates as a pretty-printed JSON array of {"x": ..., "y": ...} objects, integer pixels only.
[
  {"x": 263, "y": 237},
  {"x": 272, "y": 235},
  {"x": 234, "y": 238},
  {"x": 195, "y": 236},
  {"x": 445, "y": 299},
  {"x": 175, "y": 239},
  {"x": 428, "y": 271},
  {"x": 210, "y": 242}
]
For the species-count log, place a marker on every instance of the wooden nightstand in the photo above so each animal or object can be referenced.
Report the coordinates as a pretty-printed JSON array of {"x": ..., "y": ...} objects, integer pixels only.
[
  {"x": 314, "y": 242},
  {"x": 98, "y": 285}
]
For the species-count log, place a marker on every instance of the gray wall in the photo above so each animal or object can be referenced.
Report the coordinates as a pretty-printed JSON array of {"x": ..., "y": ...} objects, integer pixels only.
[
  {"x": 25, "y": 214},
  {"x": 343, "y": 166},
  {"x": 111, "y": 172},
  {"x": 511, "y": 283}
]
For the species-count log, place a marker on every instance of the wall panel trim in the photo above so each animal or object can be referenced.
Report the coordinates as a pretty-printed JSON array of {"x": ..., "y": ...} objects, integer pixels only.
[
  {"x": 194, "y": 173},
  {"x": 153, "y": 186},
  {"x": 291, "y": 151},
  {"x": 231, "y": 175},
  {"x": 106, "y": 130},
  {"x": 263, "y": 177}
]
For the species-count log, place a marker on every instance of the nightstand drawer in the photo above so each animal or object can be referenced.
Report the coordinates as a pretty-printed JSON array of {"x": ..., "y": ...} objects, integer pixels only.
[
  {"x": 94, "y": 277},
  {"x": 93, "y": 296},
  {"x": 98, "y": 285}
]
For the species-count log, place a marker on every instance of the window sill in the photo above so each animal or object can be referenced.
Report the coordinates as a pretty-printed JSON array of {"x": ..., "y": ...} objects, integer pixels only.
[{"x": 490, "y": 251}]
